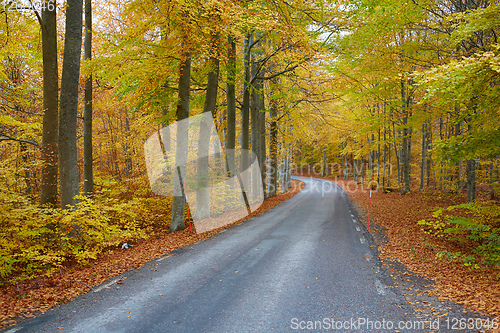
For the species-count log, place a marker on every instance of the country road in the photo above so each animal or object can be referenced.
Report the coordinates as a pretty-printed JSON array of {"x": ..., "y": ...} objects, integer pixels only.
[{"x": 305, "y": 265}]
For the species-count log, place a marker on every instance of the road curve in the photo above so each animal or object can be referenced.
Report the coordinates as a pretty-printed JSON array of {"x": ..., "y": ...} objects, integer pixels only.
[{"x": 305, "y": 262}]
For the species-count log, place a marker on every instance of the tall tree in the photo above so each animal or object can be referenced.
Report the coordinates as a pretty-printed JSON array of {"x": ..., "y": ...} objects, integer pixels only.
[
  {"x": 68, "y": 163},
  {"x": 245, "y": 108},
  {"x": 179, "y": 199},
  {"x": 88, "y": 175},
  {"x": 202, "y": 193},
  {"x": 231, "y": 107},
  {"x": 273, "y": 149},
  {"x": 50, "y": 105}
]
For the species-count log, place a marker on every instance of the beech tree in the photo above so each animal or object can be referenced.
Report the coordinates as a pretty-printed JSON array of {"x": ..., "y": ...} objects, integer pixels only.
[
  {"x": 88, "y": 174},
  {"x": 50, "y": 137},
  {"x": 69, "y": 177},
  {"x": 179, "y": 199}
]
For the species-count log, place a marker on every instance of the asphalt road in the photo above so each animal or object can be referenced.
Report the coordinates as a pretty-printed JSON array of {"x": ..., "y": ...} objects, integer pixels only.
[{"x": 305, "y": 265}]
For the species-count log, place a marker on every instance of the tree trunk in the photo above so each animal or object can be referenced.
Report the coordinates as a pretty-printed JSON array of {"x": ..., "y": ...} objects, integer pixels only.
[
  {"x": 441, "y": 164},
  {"x": 128, "y": 155},
  {"x": 422, "y": 165},
  {"x": 262, "y": 140},
  {"x": 231, "y": 108},
  {"x": 202, "y": 175},
  {"x": 378, "y": 153},
  {"x": 273, "y": 172},
  {"x": 50, "y": 108},
  {"x": 471, "y": 180},
  {"x": 458, "y": 132},
  {"x": 68, "y": 165},
  {"x": 323, "y": 164},
  {"x": 245, "y": 113},
  {"x": 179, "y": 199},
  {"x": 258, "y": 129},
  {"x": 429, "y": 155},
  {"x": 385, "y": 161},
  {"x": 88, "y": 177},
  {"x": 406, "y": 157},
  {"x": 406, "y": 153},
  {"x": 398, "y": 164}
]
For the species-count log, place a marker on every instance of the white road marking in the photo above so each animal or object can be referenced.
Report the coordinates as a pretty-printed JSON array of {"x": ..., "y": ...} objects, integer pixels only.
[
  {"x": 163, "y": 258},
  {"x": 357, "y": 228},
  {"x": 106, "y": 285},
  {"x": 380, "y": 287},
  {"x": 15, "y": 329},
  {"x": 362, "y": 240}
]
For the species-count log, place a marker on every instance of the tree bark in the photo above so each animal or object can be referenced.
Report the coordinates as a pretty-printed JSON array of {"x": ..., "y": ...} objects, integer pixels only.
[
  {"x": 202, "y": 176},
  {"x": 258, "y": 129},
  {"x": 471, "y": 177},
  {"x": 245, "y": 109},
  {"x": 231, "y": 108},
  {"x": 88, "y": 176},
  {"x": 179, "y": 199},
  {"x": 68, "y": 165},
  {"x": 323, "y": 164},
  {"x": 471, "y": 180},
  {"x": 406, "y": 153},
  {"x": 262, "y": 140},
  {"x": 273, "y": 172},
  {"x": 422, "y": 165},
  {"x": 50, "y": 130}
]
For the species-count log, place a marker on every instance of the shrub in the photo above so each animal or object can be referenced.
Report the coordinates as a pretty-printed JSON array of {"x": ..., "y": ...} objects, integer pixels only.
[{"x": 473, "y": 225}]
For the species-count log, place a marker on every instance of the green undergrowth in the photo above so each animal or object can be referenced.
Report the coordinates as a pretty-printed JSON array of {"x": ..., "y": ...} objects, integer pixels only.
[
  {"x": 475, "y": 226},
  {"x": 36, "y": 241}
]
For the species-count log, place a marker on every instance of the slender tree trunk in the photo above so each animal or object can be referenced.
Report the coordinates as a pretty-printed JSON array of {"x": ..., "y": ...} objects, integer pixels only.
[
  {"x": 369, "y": 158},
  {"x": 128, "y": 155},
  {"x": 471, "y": 180},
  {"x": 458, "y": 132},
  {"x": 273, "y": 168},
  {"x": 389, "y": 153},
  {"x": 378, "y": 153},
  {"x": 202, "y": 171},
  {"x": 231, "y": 108},
  {"x": 258, "y": 121},
  {"x": 245, "y": 113},
  {"x": 88, "y": 177},
  {"x": 422, "y": 165},
  {"x": 406, "y": 153},
  {"x": 261, "y": 120},
  {"x": 398, "y": 164},
  {"x": 179, "y": 199},
  {"x": 202, "y": 193},
  {"x": 50, "y": 131},
  {"x": 68, "y": 164},
  {"x": 323, "y": 163},
  {"x": 385, "y": 160},
  {"x": 254, "y": 125},
  {"x": 406, "y": 157},
  {"x": 441, "y": 164},
  {"x": 471, "y": 176},
  {"x": 429, "y": 155}
]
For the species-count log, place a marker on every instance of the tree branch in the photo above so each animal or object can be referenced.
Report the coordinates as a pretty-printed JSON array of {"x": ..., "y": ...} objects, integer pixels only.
[
  {"x": 286, "y": 70},
  {"x": 9, "y": 138}
]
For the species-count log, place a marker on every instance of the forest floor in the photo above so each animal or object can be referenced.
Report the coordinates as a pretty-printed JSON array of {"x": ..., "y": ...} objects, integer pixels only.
[
  {"x": 29, "y": 298},
  {"x": 396, "y": 215}
]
